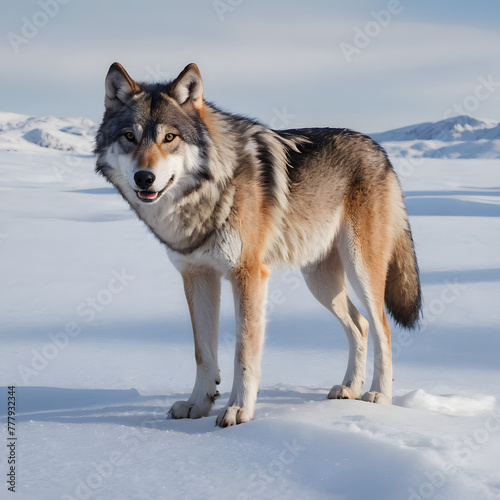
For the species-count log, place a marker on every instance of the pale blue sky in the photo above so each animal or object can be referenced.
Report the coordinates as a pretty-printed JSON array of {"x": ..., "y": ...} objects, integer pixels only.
[{"x": 282, "y": 62}]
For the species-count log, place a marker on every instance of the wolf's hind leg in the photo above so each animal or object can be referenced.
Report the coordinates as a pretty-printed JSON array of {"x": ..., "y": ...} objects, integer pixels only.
[
  {"x": 368, "y": 281},
  {"x": 327, "y": 283},
  {"x": 203, "y": 296}
]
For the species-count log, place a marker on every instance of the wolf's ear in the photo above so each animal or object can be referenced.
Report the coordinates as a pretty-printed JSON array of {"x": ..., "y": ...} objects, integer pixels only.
[
  {"x": 187, "y": 88},
  {"x": 119, "y": 87}
]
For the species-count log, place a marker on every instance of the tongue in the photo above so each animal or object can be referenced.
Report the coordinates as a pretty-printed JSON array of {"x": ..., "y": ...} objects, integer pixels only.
[{"x": 147, "y": 195}]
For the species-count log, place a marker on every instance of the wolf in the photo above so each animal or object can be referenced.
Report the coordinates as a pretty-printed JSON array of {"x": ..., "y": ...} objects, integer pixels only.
[{"x": 230, "y": 198}]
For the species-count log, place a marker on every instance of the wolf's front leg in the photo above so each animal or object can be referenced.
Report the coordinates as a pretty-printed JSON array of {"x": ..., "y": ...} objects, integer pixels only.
[
  {"x": 203, "y": 297},
  {"x": 250, "y": 291}
]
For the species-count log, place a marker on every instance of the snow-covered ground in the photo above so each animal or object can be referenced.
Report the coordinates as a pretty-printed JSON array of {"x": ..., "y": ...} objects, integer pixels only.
[{"x": 96, "y": 338}]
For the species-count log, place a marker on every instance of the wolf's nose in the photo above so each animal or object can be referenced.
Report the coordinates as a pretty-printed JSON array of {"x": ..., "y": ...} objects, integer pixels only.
[{"x": 144, "y": 179}]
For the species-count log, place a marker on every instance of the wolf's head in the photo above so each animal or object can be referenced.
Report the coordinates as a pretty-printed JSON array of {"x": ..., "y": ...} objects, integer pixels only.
[{"x": 152, "y": 140}]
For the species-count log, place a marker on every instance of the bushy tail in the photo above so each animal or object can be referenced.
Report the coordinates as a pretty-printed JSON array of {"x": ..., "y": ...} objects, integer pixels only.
[{"x": 403, "y": 295}]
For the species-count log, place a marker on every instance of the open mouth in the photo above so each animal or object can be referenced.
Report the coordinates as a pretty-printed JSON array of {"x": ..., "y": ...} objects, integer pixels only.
[
  {"x": 151, "y": 196},
  {"x": 148, "y": 195}
]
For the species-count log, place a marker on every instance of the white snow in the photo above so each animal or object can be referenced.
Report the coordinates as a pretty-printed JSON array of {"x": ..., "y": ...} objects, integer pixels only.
[
  {"x": 449, "y": 405},
  {"x": 95, "y": 335},
  {"x": 482, "y": 148}
]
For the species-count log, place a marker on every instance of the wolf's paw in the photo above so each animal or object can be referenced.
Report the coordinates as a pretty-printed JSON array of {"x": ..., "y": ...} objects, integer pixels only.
[
  {"x": 233, "y": 415},
  {"x": 376, "y": 397},
  {"x": 342, "y": 392},
  {"x": 187, "y": 409}
]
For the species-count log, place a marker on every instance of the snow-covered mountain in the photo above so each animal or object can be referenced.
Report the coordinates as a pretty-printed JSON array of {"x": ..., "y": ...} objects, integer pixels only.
[
  {"x": 34, "y": 134},
  {"x": 456, "y": 128},
  {"x": 456, "y": 137}
]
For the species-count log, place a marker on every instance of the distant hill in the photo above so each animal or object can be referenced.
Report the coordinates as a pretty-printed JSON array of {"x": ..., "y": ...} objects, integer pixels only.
[
  {"x": 34, "y": 134},
  {"x": 457, "y": 128},
  {"x": 455, "y": 137}
]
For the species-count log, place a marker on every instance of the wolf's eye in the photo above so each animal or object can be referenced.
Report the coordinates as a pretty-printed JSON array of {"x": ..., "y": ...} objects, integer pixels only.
[
  {"x": 170, "y": 137},
  {"x": 130, "y": 136}
]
